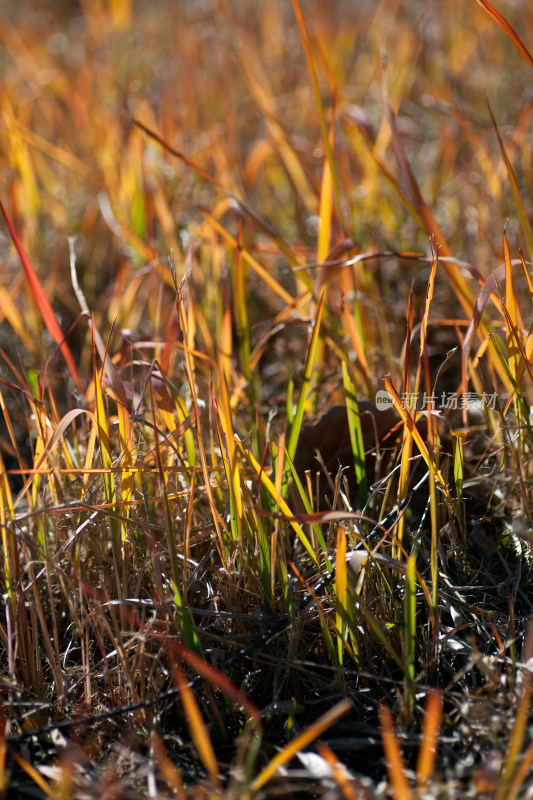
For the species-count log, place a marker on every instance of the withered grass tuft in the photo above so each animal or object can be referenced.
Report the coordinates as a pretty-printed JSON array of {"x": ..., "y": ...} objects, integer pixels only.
[{"x": 273, "y": 209}]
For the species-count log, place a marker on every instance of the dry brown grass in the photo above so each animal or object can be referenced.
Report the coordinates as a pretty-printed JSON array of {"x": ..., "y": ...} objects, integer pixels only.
[{"x": 274, "y": 207}]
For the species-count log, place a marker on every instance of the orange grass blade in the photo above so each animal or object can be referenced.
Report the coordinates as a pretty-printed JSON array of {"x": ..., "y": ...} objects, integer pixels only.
[
  {"x": 432, "y": 493},
  {"x": 425, "y": 317},
  {"x": 393, "y": 756},
  {"x": 342, "y": 777},
  {"x": 203, "y": 668},
  {"x": 508, "y": 29},
  {"x": 523, "y": 359},
  {"x": 422, "y": 209},
  {"x": 166, "y": 146},
  {"x": 299, "y": 742},
  {"x": 9, "y": 426},
  {"x": 267, "y": 228},
  {"x": 197, "y": 728},
  {"x": 528, "y": 346},
  {"x": 430, "y": 738},
  {"x": 169, "y": 769},
  {"x": 42, "y": 301}
]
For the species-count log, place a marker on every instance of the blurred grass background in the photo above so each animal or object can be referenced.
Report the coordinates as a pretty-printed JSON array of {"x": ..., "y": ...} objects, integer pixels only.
[
  {"x": 210, "y": 78},
  {"x": 232, "y": 192}
]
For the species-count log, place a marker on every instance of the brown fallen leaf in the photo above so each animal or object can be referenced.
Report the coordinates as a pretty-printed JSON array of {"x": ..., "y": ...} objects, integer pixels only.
[
  {"x": 330, "y": 436},
  {"x": 382, "y": 430}
]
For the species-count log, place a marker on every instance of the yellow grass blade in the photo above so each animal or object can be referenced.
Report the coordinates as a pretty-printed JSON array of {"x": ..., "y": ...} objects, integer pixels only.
[
  {"x": 186, "y": 322},
  {"x": 10, "y": 312},
  {"x": 299, "y": 742},
  {"x": 518, "y": 733},
  {"x": 262, "y": 273},
  {"x": 511, "y": 305},
  {"x": 341, "y": 590},
  {"x": 257, "y": 83},
  {"x": 109, "y": 481},
  {"x": 407, "y": 439},
  {"x": 8, "y": 540},
  {"x": 283, "y": 507},
  {"x": 520, "y": 206},
  {"x": 453, "y": 273},
  {"x": 318, "y": 101},
  {"x": 32, "y": 773},
  {"x": 324, "y": 212},
  {"x": 357, "y": 343},
  {"x": 409, "y": 423},
  {"x": 306, "y": 380}
]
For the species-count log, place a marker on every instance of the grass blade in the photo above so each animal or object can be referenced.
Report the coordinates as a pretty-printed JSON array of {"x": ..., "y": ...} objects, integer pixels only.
[
  {"x": 42, "y": 301},
  {"x": 356, "y": 436},
  {"x": 302, "y": 397},
  {"x": 318, "y": 101},
  {"x": 300, "y": 742},
  {"x": 198, "y": 730},
  {"x": 393, "y": 756},
  {"x": 520, "y": 206},
  {"x": 508, "y": 29},
  {"x": 430, "y": 737},
  {"x": 409, "y": 621}
]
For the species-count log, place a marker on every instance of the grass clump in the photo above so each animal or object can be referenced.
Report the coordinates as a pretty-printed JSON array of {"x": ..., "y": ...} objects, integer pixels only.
[{"x": 209, "y": 587}]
